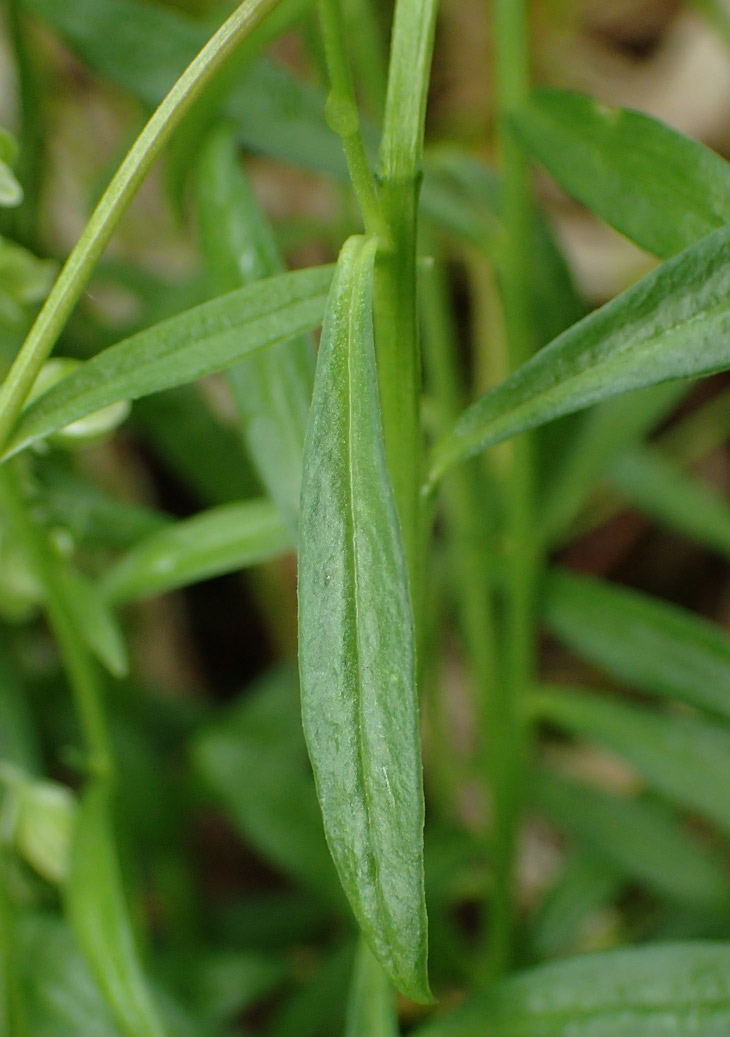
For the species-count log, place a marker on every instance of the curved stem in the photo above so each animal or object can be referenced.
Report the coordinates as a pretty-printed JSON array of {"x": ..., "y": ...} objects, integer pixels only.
[{"x": 116, "y": 199}]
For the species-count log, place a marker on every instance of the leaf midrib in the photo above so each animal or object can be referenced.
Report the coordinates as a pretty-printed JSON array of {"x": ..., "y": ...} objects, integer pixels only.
[{"x": 360, "y": 740}]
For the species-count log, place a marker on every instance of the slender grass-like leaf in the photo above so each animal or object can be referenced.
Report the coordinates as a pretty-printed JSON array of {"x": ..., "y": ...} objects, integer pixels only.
[
  {"x": 100, "y": 919},
  {"x": 604, "y": 433},
  {"x": 584, "y": 887},
  {"x": 253, "y": 759},
  {"x": 660, "y": 991},
  {"x": 663, "y": 190},
  {"x": 638, "y": 838},
  {"x": 222, "y": 540},
  {"x": 61, "y": 996},
  {"x": 201, "y": 341},
  {"x": 356, "y": 644},
  {"x": 649, "y": 644},
  {"x": 659, "y": 488},
  {"x": 371, "y": 1004},
  {"x": 683, "y": 757},
  {"x": 675, "y": 323},
  {"x": 272, "y": 389}
]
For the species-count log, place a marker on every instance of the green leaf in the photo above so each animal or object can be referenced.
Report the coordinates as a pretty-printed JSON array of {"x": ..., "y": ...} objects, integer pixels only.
[
  {"x": 659, "y": 188},
  {"x": 371, "y": 1004},
  {"x": 99, "y": 917},
  {"x": 584, "y": 887},
  {"x": 637, "y": 837},
  {"x": 221, "y": 540},
  {"x": 660, "y": 488},
  {"x": 673, "y": 324},
  {"x": 685, "y": 758},
  {"x": 253, "y": 759},
  {"x": 654, "y": 646},
  {"x": 272, "y": 389},
  {"x": 356, "y": 642},
  {"x": 604, "y": 433},
  {"x": 662, "y": 991},
  {"x": 199, "y": 342}
]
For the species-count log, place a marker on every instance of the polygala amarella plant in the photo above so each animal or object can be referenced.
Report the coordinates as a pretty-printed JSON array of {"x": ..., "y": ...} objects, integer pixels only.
[{"x": 372, "y": 460}]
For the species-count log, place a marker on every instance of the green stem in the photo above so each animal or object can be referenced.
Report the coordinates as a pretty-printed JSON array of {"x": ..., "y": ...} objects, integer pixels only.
[
  {"x": 463, "y": 494},
  {"x": 399, "y": 363},
  {"x": 80, "y": 668},
  {"x": 116, "y": 199},
  {"x": 343, "y": 118},
  {"x": 509, "y": 763}
]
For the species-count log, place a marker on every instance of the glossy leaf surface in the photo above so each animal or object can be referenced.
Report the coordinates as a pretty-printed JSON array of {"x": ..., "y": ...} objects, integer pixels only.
[
  {"x": 660, "y": 991},
  {"x": 221, "y": 540},
  {"x": 356, "y": 643},
  {"x": 201, "y": 341},
  {"x": 674, "y": 323},
  {"x": 663, "y": 190},
  {"x": 649, "y": 644}
]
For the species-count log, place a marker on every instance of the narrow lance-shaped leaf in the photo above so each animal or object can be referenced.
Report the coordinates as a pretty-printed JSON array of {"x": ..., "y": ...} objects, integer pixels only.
[
  {"x": 675, "y": 323},
  {"x": 203, "y": 340},
  {"x": 685, "y": 758},
  {"x": 660, "y": 991},
  {"x": 213, "y": 542},
  {"x": 356, "y": 641},
  {"x": 652, "y": 645},
  {"x": 271, "y": 389},
  {"x": 659, "y": 487},
  {"x": 663, "y": 190},
  {"x": 641, "y": 838},
  {"x": 100, "y": 919}
]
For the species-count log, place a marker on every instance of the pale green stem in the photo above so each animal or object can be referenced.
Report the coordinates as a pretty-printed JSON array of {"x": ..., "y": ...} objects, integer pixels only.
[
  {"x": 509, "y": 758},
  {"x": 343, "y": 118},
  {"x": 117, "y": 197},
  {"x": 399, "y": 361}
]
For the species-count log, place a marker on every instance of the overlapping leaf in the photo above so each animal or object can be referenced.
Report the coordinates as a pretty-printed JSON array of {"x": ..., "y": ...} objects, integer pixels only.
[{"x": 356, "y": 644}]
